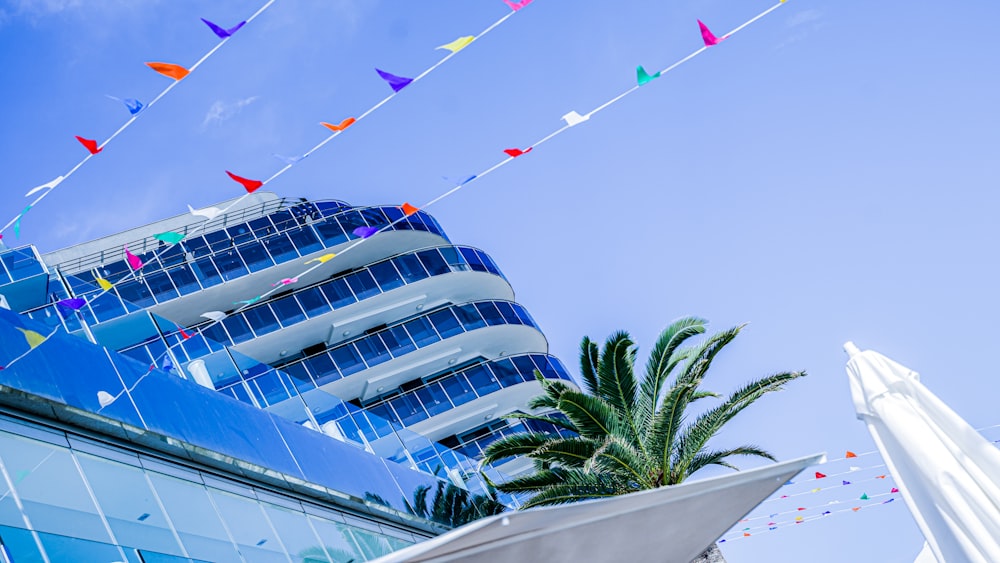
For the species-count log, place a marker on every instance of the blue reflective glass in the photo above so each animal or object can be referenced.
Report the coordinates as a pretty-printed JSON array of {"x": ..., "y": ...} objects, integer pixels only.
[
  {"x": 283, "y": 220},
  {"x": 347, "y": 359},
  {"x": 280, "y": 248},
  {"x": 482, "y": 380},
  {"x": 373, "y": 350},
  {"x": 469, "y": 316},
  {"x": 416, "y": 223},
  {"x": 472, "y": 257},
  {"x": 374, "y": 217},
  {"x": 271, "y": 388},
  {"x": 172, "y": 256},
  {"x": 287, "y": 309},
  {"x": 195, "y": 347},
  {"x": 338, "y": 293},
  {"x": 331, "y": 232},
  {"x": 525, "y": 366},
  {"x": 135, "y": 292},
  {"x": 240, "y": 234},
  {"x": 547, "y": 367},
  {"x": 432, "y": 260},
  {"x": 506, "y": 373},
  {"x": 458, "y": 389},
  {"x": 161, "y": 286},
  {"x": 523, "y": 315},
  {"x": 386, "y": 275},
  {"x": 255, "y": 256},
  {"x": 261, "y": 319},
  {"x": 408, "y": 409},
  {"x": 490, "y": 313},
  {"x": 421, "y": 331},
  {"x": 312, "y": 301},
  {"x": 445, "y": 323},
  {"x": 351, "y": 220},
  {"x": 196, "y": 246},
  {"x": 215, "y": 335},
  {"x": 409, "y": 266},
  {"x": 393, "y": 213},
  {"x": 107, "y": 306},
  {"x": 262, "y": 227},
  {"x": 238, "y": 328},
  {"x": 229, "y": 264},
  {"x": 205, "y": 270},
  {"x": 382, "y": 413},
  {"x": 305, "y": 240},
  {"x": 397, "y": 341},
  {"x": 300, "y": 376},
  {"x": 454, "y": 258},
  {"x": 184, "y": 279},
  {"x": 434, "y": 398},
  {"x": 218, "y": 240},
  {"x": 322, "y": 368},
  {"x": 363, "y": 284}
]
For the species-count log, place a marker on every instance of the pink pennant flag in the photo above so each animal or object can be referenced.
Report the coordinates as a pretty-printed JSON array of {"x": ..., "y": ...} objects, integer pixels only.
[
  {"x": 517, "y": 5},
  {"x": 133, "y": 261},
  {"x": 707, "y": 36},
  {"x": 894, "y": 490},
  {"x": 286, "y": 281}
]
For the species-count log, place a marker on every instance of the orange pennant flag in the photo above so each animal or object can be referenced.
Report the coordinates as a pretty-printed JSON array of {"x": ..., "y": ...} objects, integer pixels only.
[
  {"x": 169, "y": 70},
  {"x": 409, "y": 209},
  {"x": 850, "y": 454},
  {"x": 339, "y": 127}
]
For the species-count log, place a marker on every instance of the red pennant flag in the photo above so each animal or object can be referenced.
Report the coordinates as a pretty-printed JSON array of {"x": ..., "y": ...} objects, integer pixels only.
[
  {"x": 880, "y": 476},
  {"x": 185, "y": 335},
  {"x": 850, "y": 454},
  {"x": 247, "y": 183},
  {"x": 409, "y": 209},
  {"x": 90, "y": 144},
  {"x": 894, "y": 490},
  {"x": 800, "y": 508},
  {"x": 514, "y": 153},
  {"x": 819, "y": 475}
]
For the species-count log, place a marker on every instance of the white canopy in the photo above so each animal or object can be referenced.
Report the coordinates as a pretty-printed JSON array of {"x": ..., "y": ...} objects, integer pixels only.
[
  {"x": 948, "y": 474},
  {"x": 672, "y": 523}
]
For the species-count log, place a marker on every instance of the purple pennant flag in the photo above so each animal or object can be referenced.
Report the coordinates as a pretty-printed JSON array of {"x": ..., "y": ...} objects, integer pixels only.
[
  {"x": 365, "y": 232},
  {"x": 396, "y": 82},
  {"x": 846, "y": 482},
  {"x": 74, "y": 304},
  {"x": 223, "y": 33}
]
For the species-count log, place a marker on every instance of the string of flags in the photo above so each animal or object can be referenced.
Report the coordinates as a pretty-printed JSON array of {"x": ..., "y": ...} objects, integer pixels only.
[
  {"x": 135, "y": 109},
  {"x": 364, "y": 233}
]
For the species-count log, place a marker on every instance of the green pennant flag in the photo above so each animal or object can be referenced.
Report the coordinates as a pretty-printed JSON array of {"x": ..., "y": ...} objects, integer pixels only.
[
  {"x": 169, "y": 237},
  {"x": 643, "y": 77},
  {"x": 864, "y": 496}
]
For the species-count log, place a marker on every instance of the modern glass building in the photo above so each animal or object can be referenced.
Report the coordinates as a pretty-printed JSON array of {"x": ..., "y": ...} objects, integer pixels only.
[{"x": 299, "y": 428}]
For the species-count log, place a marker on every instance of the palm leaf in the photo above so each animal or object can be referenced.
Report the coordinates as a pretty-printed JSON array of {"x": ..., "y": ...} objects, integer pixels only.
[
  {"x": 616, "y": 382},
  {"x": 661, "y": 362},
  {"x": 515, "y": 445},
  {"x": 592, "y": 416},
  {"x": 555, "y": 421},
  {"x": 567, "y": 452},
  {"x": 702, "y": 358},
  {"x": 589, "y": 363},
  {"x": 706, "y": 458}
]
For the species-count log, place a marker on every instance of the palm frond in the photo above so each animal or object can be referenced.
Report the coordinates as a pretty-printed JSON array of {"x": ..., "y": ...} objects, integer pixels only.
[
  {"x": 552, "y": 390},
  {"x": 566, "y": 452},
  {"x": 515, "y": 445},
  {"x": 616, "y": 456},
  {"x": 555, "y": 421},
  {"x": 718, "y": 457},
  {"x": 589, "y": 361},
  {"x": 661, "y": 362},
  {"x": 592, "y": 416},
  {"x": 616, "y": 382},
  {"x": 667, "y": 422},
  {"x": 702, "y": 358}
]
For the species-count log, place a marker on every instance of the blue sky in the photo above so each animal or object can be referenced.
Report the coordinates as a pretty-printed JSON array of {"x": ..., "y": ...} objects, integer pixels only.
[{"x": 828, "y": 174}]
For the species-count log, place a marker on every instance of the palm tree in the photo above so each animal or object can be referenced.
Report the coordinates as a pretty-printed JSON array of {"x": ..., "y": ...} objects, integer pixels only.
[{"x": 632, "y": 433}]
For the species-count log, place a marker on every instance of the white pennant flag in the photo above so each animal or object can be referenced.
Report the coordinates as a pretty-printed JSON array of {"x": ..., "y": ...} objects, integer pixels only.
[
  {"x": 572, "y": 118},
  {"x": 208, "y": 212},
  {"x": 214, "y": 315},
  {"x": 50, "y": 185}
]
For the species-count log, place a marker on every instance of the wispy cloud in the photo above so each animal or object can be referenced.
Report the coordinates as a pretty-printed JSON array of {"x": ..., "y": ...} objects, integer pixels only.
[
  {"x": 804, "y": 23},
  {"x": 804, "y": 17},
  {"x": 222, "y": 110}
]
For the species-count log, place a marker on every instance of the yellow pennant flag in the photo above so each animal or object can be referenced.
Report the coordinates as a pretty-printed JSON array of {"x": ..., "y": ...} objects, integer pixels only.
[
  {"x": 458, "y": 44},
  {"x": 322, "y": 259},
  {"x": 105, "y": 284},
  {"x": 34, "y": 339}
]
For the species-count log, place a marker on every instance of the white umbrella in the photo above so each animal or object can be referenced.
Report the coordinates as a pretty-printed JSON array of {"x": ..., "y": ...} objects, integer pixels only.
[{"x": 948, "y": 474}]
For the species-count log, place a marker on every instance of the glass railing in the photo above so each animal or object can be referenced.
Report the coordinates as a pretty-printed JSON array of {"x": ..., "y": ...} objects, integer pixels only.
[
  {"x": 397, "y": 340},
  {"x": 18, "y": 264},
  {"x": 215, "y": 258},
  {"x": 310, "y": 302}
]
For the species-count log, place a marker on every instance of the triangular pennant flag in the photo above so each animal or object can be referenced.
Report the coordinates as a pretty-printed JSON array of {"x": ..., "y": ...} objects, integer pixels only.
[
  {"x": 73, "y": 304},
  {"x": 214, "y": 315},
  {"x": 888, "y": 501},
  {"x": 467, "y": 180},
  {"x": 572, "y": 118},
  {"x": 846, "y": 482},
  {"x": 850, "y": 454},
  {"x": 90, "y": 144},
  {"x": 17, "y": 222},
  {"x": 801, "y": 508},
  {"x": 458, "y": 44},
  {"x": 409, "y": 209},
  {"x": 773, "y": 528},
  {"x": 133, "y": 105},
  {"x": 365, "y": 232},
  {"x": 133, "y": 261},
  {"x": 894, "y": 490},
  {"x": 105, "y": 284},
  {"x": 223, "y": 33},
  {"x": 864, "y": 496},
  {"x": 286, "y": 281},
  {"x": 322, "y": 259},
  {"x": 514, "y": 153},
  {"x": 820, "y": 475},
  {"x": 517, "y": 5},
  {"x": 49, "y": 186},
  {"x": 21, "y": 475},
  {"x": 185, "y": 335},
  {"x": 169, "y": 237},
  {"x": 799, "y": 519},
  {"x": 169, "y": 70},
  {"x": 397, "y": 83},
  {"x": 816, "y": 490},
  {"x": 789, "y": 482},
  {"x": 248, "y": 184},
  {"x": 288, "y": 159},
  {"x": 104, "y": 398},
  {"x": 34, "y": 339},
  {"x": 825, "y": 512},
  {"x": 208, "y": 212},
  {"x": 642, "y": 77},
  {"x": 168, "y": 364},
  {"x": 880, "y": 476},
  {"x": 707, "y": 36},
  {"x": 854, "y": 468},
  {"x": 250, "y": 301},
  {"x": 856, "y": 508},
  {"x": 340, "y": 126},
  {"x": 745, "y": 534}
]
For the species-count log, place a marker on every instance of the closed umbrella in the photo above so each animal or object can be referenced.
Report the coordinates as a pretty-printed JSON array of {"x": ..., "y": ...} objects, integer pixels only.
[{"x": 947, "y": 473}]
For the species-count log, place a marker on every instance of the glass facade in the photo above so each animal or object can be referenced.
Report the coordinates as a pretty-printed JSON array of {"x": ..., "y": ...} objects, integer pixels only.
[
  {"x": 67, "y": 498},
  {"x": 18, "y": 264}
]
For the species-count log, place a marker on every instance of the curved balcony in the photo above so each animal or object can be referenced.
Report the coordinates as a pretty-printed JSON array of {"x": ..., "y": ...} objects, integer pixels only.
[
  {"x": 210, "y": 260},
  {"x": 285, "y": 317},
  {"x": 414, "y": 405}
]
